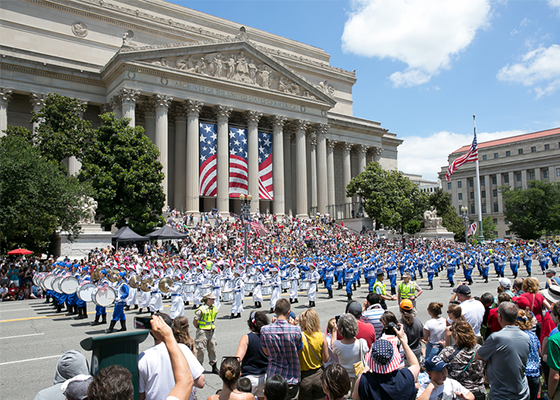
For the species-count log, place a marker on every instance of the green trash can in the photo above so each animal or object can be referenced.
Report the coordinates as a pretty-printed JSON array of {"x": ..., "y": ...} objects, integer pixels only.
[{"x": 116, "y": 349}]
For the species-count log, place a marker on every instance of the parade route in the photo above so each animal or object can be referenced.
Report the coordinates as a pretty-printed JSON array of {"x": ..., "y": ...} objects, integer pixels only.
[{"x": 32, "y": 336}]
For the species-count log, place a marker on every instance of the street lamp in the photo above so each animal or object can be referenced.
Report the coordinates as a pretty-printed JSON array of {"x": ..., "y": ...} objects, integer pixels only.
[
  {"x": 245, "y": 210},
  {"x": 464, "y": 210}
]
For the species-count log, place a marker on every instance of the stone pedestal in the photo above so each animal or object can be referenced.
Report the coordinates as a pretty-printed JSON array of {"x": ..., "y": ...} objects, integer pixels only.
[
  {"x": 92, "y": 236},
  {"x": 436, "y": 233}
]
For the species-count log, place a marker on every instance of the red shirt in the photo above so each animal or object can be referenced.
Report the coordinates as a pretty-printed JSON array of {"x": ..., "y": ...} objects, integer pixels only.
[
  {"x": 493, "y": 321},
  {"x": 536, "y": 301},
  {"x": 365, "y": 331},
  {"x": 547, "y": 326}
]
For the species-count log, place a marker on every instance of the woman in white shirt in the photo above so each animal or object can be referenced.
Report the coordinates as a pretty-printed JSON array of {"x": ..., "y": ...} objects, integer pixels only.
[
  {"x": 434, "y": 330},
  {"x": 349, "y": 350}
]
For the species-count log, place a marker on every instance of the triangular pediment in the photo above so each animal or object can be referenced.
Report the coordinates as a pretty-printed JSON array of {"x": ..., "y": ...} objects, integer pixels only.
[{"x": 237, "y": 62}]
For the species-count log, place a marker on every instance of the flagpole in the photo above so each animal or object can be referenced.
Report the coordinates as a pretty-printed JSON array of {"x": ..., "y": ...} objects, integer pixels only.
[{"x": 479, "y": 201}]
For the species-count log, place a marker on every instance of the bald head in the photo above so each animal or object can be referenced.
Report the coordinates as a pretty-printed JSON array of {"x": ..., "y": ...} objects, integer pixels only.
[{"x": 508, "y": 312}]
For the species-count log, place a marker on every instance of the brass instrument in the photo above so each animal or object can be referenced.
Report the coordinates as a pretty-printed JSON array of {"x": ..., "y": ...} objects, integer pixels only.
[
  {"x": 133, "y": 282},
  {"x": 165, "y": 284},
  {"x": 557, "y": 241},
  {"x": 145, "y": 285},
  {"x": 512, "y": 243},
  {"x": 531, "y": 243},
  {"x": 112, "y": 275}
]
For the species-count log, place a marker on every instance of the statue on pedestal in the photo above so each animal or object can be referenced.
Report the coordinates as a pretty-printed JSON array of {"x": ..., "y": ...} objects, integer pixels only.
[
  {"x": 431, "y": 220},
  {"x": 89, "y": 207}
]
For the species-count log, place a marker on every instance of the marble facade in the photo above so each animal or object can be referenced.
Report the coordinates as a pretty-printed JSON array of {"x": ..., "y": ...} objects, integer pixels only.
[{"x": 168, "y": 68}]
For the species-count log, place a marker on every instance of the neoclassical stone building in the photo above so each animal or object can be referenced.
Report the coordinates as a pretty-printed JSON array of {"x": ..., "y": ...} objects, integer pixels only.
[{"x": 173, "y": 70}]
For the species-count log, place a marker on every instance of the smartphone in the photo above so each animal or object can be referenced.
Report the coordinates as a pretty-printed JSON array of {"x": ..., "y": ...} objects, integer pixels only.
[
  {"x": 336, "y": 318},
  {"x": 143, "y": 322}
]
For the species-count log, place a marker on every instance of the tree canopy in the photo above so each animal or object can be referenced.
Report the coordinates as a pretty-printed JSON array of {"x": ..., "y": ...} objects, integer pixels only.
[
  {"x": 488, "y": 228},
  {"x": 389, "y": 197},
  {"x": 37, "y": 197},
  {"x": 121, "y": 166},
  {"x": 534, "y": 211}
]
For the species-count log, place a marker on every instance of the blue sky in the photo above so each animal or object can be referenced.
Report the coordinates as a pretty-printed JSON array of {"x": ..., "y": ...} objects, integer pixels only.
[{"x": 424, "y": 67}]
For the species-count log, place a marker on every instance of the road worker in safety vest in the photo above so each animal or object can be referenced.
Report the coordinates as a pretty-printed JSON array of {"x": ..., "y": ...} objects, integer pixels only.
[{"x": 204, "y": 322}]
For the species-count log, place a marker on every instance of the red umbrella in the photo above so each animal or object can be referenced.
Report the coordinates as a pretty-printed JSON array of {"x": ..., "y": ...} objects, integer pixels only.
[{"x": 20, "y": 252}]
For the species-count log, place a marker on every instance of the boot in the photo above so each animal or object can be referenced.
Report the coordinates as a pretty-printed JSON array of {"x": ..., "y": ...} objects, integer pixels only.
[
  {"x": 310, "y": 304},
  {"x": 111, "y": 327},
  {"x": 393, "y": 290},
  {"x": 313, "y": 304},
  {"x": 238, "y": 315},
  {"x": 354, "y": 287},
  {"x": 232, "y": 316},
  {"x": 47, "y": 299},
  {"x": 296, "y": 300},
  {"x": 126, "y": 308},
  {"x": 123, "y": 325},
  {"x": 470, "y": 282},
  {"x": 84, "y": 313},
  {"x": 72, "y": 310},
  {"x": 431, "y": 285},
  {"x": 437, "y": 275},
  {"x": 515, "y": 275},
  {"x": 291, "y": 300},
  {"x": 136, "y": 307},
  {"x": 96, "y": 322},
  {"x": 271, "y": 311},
  {"x": 330, "y": 294},
  {"x": 359, "y": 283},
  {"x": 104, "y": 319},
  {"x": 59, "y": 308},
  {"x": 349, "y": 295},
  {"x": 215, "y": 369},
  {"x": 486, "y": 279},
  {"x": 451, "y": 284}
]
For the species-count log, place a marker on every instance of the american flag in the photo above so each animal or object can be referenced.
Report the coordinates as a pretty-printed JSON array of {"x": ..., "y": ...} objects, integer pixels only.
[
  {"x": 259, "y": 228},
  {"x": 265, "y": 166},
  {"x": 238, "y": 178},
  {"x": 471, "y": 155},
  {"x": 208, "y": 166},
  {"x": 472, "y": 229}
]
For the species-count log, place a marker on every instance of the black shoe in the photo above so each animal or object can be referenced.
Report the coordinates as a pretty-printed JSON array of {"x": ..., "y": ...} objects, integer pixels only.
[
  {"x": 126, "y": 308},
  {"x": 96, "y": 322},
  {"x": 486, "y": 280},
  {"x": 310, "y": 304},
  {"x": 437, "y": 275},
  {"x": 215, "y": 369},
  {"x": 349, "y": 295},
  {"x": 296, "y": 300},
  {"x": 104, "y": 319},
  {"x": 123, "y": 325},
  {"x": 291, "y": 300},
  {"x": 111, "y": 327},
  {"x": 330, "y": 294},
  {"x": 136, "y": 307},
  {"x": 451, "y": 284},
  {"x": 431, "y": 286},
  {"x": 271, "y": 311},
  {"x": 238, "y": 315}
]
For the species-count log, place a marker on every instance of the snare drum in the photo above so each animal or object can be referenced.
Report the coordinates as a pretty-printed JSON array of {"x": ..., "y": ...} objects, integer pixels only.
[
  {"x": 189, "y": 287},
  {"x": 249, "y": 286},
  {"x": 47, "y": 282},
  {"x": 286, "y": 284},
  {"x": 104, "y": 296},
  {"x": 85, "y": 292},
  {"x": 69, "y": 285},
  {"x": 266, "y": 290},
  {"x": 227, "y": 295},
  {"x": 205, "y": 289},
  {"x": 304, "y": 285},
  {"x": 56, "y": 284}
]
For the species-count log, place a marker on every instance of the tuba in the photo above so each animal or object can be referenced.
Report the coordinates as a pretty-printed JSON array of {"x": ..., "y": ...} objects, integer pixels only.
[
  {"x": 557, "y": 241},
  {"x": 531, "y": 243}
]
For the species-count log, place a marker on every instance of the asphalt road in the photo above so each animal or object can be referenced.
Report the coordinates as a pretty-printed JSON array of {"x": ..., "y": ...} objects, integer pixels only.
[{"x": 32, "y": 337}]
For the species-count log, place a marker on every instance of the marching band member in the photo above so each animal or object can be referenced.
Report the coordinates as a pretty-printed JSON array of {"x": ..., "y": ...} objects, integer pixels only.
[
  {"x": 145, "y": 297},
  {"x": 514, "y": 263},
  {"x": 528, "y": 260},
  {"x": 199, "y": 281},
  {"x": 215, "y": 283},
  {"x": 276, "y": 284},
  {"x": 293, "y": 276},
  {"x": 329, "y": 277},
  {"x": 257, "y": 291},
  {"x": 348, "y": 279},
  {"x": 238, "y": 287},
  {"x": 156, "y": 301},
  {"x": 313, "y": 277},
  {"x": 177, "y": 306},
  {"x": 121, "y": 289},
  {"x": 82, "y": 305},
  {"x": 101, "y": 311}
]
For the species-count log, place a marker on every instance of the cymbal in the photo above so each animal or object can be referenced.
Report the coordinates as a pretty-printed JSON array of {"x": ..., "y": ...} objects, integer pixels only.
[
  {"x": 145, "y": 285},
  {"x": 133, "y": 282},
  {"x": 165, "y": 284}
]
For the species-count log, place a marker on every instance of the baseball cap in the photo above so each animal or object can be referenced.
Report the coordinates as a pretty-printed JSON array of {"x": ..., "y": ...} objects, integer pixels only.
[
  {"x": 354, "y": 308},
  {"x": 406, "y": 305},
  {"x": 505, "y": 282},
  {"x": 434, "y": 363},
  {"x": 521, "y": 302},
  {"x": 462, "y": 289},
  {"x": 550, "y": 271},
  {"x": 76, "y": 388}
]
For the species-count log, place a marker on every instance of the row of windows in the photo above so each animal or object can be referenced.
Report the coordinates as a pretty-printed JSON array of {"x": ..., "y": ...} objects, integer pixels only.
[
  {"x": 495, "y": 208},
  {"x": 519, "y": 151},
  {"x": 505, "y": 178}
]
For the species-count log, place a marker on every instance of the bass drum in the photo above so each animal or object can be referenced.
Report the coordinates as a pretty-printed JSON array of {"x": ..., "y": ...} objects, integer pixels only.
[
  {"x": 85, "y": 292},
  {"x": 56, "y": 284},
  {"x": 47, "y": 282},
  {"x": 103, "y": 296},
  {"x": 69, "y": 285}
]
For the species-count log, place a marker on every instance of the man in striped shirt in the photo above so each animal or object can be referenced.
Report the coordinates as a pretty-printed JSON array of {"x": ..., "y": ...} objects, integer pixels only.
[{"x": 372, "y": 312}]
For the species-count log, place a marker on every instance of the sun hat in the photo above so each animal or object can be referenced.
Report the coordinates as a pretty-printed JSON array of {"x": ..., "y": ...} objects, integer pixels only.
[{"x": 384, "y": 357}]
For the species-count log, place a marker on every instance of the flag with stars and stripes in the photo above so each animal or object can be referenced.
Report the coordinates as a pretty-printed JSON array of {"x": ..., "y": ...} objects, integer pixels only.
[
  {"x": 208, "y": 166},
  {"x": 238, "y": 177},
  {"x": 265, "y": 166}
]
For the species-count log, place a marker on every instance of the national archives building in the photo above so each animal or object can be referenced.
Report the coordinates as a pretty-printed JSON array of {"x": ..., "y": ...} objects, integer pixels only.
[{"x": 232, "y": 110}]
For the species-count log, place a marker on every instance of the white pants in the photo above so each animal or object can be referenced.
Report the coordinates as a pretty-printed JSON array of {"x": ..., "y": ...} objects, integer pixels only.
[
  {"x": 237, "y": 305},
  {"x": 216, "y": 293},
  {"x": 177, "y": 307},
  {"x": 145, "y": 299},
  {"x": 311, "y": 291},
  {"x": 293, "y": 289},
  {"x": 132, "y": 298},
  {"x": 197, "y": 296},
  {"x": 257, "y": 293},
  {"x": 156, "y": 302},
  {"x": 275, "y": 296}
]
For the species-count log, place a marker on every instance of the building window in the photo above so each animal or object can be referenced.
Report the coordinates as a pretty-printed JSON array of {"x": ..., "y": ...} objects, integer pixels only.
[
  {"x": 449, "y": 185},
  {"x": 495, "y": 193},
  {"x": 519, "y": 151},
  {"x": 494, "y": 220},
  {"x": 518, "y": 177},
  {"x": 483, "y": 194},
  {"x": 508, "y": 233},
  {"x": 547, "y": 147},
  {"x": 472, "y": 195},
  {"x": 495, "y": 155},
  {"x": 506, "y": 221},
  {"x": 508, "y": 153},
  {"x": 506, "y": 178},
  {"x": 494, "y": 180},
  {"x": 545, "y": 173},
  {"x": 557, "y": 171},
  {"x": 483, "y": 181},
  {"x": 472, "y": 208},
  {"x": 484, "y": 157},
  {"x": 471, "y": 181},
  {"x": 531, "y": 175},
  {"x": 460, "y": 196},
  {"x": 459, "y": 184},
  {"x": 483, "y": 208},
  {"x": 451, "y": 197},
  {"x": 533, "y": 149},
  {"x": 496, "y": 208}
]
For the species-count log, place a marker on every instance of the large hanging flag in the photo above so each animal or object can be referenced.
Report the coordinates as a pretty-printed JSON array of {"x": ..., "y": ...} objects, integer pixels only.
[
  {"x": 208, "y": 165},
  {"x": 471, "y": 155},
  {"x": 265, "y": 166},
  {"x": 238, "y": 177}
]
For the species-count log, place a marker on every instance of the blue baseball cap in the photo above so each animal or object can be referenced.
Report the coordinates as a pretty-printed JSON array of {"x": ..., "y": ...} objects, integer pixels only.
[{"x": 435, "y": 363}]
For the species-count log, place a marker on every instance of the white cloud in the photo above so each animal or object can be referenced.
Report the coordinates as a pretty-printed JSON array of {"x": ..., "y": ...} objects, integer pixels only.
[
  {"x": 424, "y": 34},
  {"x": 554, "y": 3},
  {"x": 426, "y": 155},
  {"x": 540, "y": 66}
]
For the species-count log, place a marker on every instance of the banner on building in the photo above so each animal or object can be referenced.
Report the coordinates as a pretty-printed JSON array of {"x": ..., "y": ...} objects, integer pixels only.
[
  {"x": 238, "y": 177},
  {"x": 208, "y": 158},
  {"x": 265, "y": 166}
]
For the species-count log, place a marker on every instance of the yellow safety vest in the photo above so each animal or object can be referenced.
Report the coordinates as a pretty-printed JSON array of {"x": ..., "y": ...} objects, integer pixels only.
[
  {"x": 207, "y": 317},
  {"x": 381, "y": 285},
  {"x": 407, "y": 290}
]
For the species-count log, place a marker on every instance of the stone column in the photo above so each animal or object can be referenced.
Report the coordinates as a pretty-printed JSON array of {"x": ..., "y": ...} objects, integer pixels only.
[
  {"x": 489, "y": 199},
  {"x": 179, "y": 194},
  {"x": 322, "y": 184},
  {"x": 5, "y": 97},
  {"x": 301, "y": 169},
  {"x": 331, "y": 144},
  {"x": 278, "y": 202},
  {"x": 346, "y": 168},
  {"x": 375, "y": 153},
  {"x": 37, "y": 101},
  {"x": 511, "y": 179},
  {"x": 538, "y": 174},
  {"x": 128, "y": 103},
  {"x": 74, "y": 165},
  {"x": 222, "y": 114},
  {"x": 498, "y": 184},
  {"x": 162, "y": 103},
  {"x": 193, "y": 154},
  {"x": 524, "y": 182},
  {"x": 313, "y": 167},
  {"x": 362, "y": 153},
  {"x": 288, "y": 188},
  {"x": 253, "y": 118},
  {"x": 150, "y": 120}
]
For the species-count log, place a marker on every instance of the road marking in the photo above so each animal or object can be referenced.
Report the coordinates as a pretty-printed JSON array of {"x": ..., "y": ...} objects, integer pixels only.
[
  {"x": 15, "y": 337},
  {"x": 18, "y": 309},
  {"x": 30, "y": 359}
]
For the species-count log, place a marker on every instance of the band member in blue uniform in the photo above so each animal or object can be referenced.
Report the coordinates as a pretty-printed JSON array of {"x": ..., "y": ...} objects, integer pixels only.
[
  {"x": 329, "y": 277},
  {"x": 83, "y": 279},
  {"x": 101, "y": 312},
  {"x": 121, "y": 289},
  {"x": 528, "y": 260}
]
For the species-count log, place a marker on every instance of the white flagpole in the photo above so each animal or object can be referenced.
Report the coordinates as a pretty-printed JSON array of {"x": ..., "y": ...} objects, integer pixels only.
[{"x": 479, "y": 201}]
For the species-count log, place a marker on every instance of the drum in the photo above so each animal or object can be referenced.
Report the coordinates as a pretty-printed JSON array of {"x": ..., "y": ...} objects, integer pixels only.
[
  {"x": 103, "y": 296},
  {"x": 266, "y": 290},
  {"x": 227, "y": 295},
  {"x": 189, "y": 287},
  {"x": 47, "y": 282},
  {"x": 85, "y": 292},
  {"x": 249, "y": 286},
  {"x": 304, "y": 285},
  {"x": 286, "y": 284},
  {"x": 205, "y": 289},
  {"x": 56, "y": 284},
  {"x": 69, "y": 285}
]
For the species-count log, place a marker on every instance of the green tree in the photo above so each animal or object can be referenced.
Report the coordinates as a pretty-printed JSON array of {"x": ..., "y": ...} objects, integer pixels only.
[
  {"x": 451, "y": 220},
  {"x": 121, "y": 165},
  {"x": 389, "y": 197},
  {"x": 36, "y": 196},
  {"x": 534, "y": 211},
  {"x": 62, "y": 132},
  {"x": 488, "y": 228}
]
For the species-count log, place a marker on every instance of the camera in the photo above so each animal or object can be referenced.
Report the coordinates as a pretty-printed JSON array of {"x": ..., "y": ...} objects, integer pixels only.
[
  {"x": 143, "y": 322},
  {"x": 390, "y": 329},
  {"x": 336, "y": 318}
]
